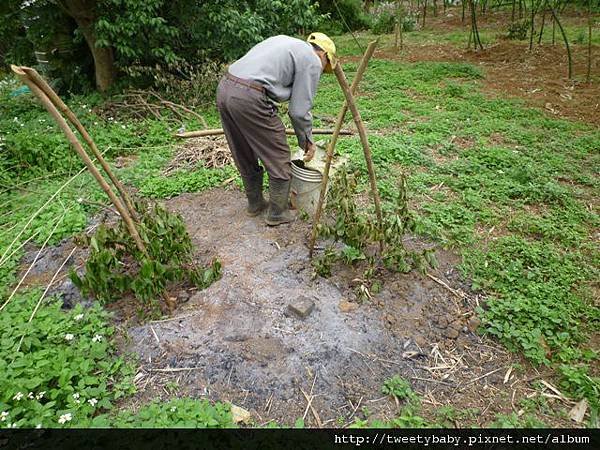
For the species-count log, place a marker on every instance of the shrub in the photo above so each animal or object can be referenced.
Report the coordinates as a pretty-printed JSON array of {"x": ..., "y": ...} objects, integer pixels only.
[
  {"x": 347, "y": 14},
  {"x": 385, "y": 16},
  {"x": 384, "y": 23},
  {"x": 116, "y": 266},
  {"x": 518, "y": 30}
]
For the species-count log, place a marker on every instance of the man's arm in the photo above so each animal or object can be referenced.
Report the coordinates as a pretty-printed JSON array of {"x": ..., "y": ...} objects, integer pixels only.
[{"x": 304, "y": 88}]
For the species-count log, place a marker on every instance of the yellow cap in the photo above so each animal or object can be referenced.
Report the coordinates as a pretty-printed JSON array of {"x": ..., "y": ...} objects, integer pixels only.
[{"x": 323, "y": 41}]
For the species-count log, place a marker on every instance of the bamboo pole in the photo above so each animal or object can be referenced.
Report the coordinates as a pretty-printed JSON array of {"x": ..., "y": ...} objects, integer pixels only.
[
  {"x": 220, "y": 131},
  {"x": 63, "y": 108},
  {"x": 37, "y": 306},
  {"x": 35, "y": 260},
  {"x": 330, "y": 148},
  {"x": 339, "y": 73},
  {"x": 64, "y": 126}
]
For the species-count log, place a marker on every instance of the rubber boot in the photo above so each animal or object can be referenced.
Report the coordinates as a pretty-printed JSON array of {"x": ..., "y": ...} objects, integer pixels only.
[
  {"x": 279, "y": 196},
  {"x": 253, "y": 186}
]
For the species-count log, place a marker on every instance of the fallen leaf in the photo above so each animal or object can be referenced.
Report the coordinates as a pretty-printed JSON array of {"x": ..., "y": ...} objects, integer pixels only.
[
  {"x": 578, "y": 411},
  {"x": 240, "y": 415}
]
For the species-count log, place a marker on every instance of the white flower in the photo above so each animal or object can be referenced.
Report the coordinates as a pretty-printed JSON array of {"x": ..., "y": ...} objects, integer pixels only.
[
  {"x": 123, "y": 126},
  {"x": 174, "y": 408},
  {"x": 92, "y": 401},
  {"x": 78, "y": 317},
  {"x": 76, "y": 397},
  {"x": 65, "y": 418},
  {"x": 40, "y": 395},
  {"x": 69, "y": 337},
  {"x": 39, "y": 425},
  {"x": 12, "y": 425},
  {"x": 18, "y": 396},
  {"x": 30, "y": 396},
  {"x": 3, "y": 416},
  {"x": 97, "y": 338}
]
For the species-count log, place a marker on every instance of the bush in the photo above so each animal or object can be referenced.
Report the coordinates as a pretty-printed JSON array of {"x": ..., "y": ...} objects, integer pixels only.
[
  {"x": 518, "y": 30},
  {"x": 189, "y": 84},
  {"x": 116, "y": 266},
  {"x": 384, "y": 19},
  {"x": 384, "y": 23},
  {"x": 347, "y": 14}
]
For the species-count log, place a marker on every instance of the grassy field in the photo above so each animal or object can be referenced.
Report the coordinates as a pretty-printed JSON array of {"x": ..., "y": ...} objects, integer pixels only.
[{"x": 510, "y": 189}]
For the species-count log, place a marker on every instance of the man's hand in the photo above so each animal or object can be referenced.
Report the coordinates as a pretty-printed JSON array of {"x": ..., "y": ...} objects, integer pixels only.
[{"x": 309, "y": 151}]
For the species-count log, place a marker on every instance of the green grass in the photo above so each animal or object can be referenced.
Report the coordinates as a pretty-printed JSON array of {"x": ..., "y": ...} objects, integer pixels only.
[
  {"x": 514, "y": 200},
  {"x": 506, "y": 186},
  {"x": 48, "y": 380}
]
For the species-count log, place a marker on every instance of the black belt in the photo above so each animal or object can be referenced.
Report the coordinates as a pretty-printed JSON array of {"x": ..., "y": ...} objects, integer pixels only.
[{"x": 251, "y": 84}]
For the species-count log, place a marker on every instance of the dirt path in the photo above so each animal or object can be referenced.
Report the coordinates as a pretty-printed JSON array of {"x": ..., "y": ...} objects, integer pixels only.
[{"x": 240, "y": 345}]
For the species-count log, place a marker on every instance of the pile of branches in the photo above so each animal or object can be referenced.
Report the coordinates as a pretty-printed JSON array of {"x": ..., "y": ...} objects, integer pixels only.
[
  {"x": 210, "y": 152},
  {"x": 144, "y": 103}
]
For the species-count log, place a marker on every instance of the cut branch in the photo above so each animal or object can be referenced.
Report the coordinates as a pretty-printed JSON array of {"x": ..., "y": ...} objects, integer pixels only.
[
  {"x": 220, "y": 131},
  {"x": 331, "y": 147}
]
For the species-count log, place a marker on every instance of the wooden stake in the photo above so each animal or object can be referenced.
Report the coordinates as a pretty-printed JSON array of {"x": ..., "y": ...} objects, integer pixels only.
[
  {"x": 331, "y": 147},
  {"x": 62, "y": 107},
  {"x": 220, "y": 131},
  {"x": 64, "y": 126},
  {"x": 339, "y": 73}
]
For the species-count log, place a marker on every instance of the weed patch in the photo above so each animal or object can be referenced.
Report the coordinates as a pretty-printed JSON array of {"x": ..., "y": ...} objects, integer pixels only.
[{"x": 65, "y": 372}]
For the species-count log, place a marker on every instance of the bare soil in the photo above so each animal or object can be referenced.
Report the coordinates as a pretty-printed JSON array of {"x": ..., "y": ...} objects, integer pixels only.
[{"x": 539, "y": 77}]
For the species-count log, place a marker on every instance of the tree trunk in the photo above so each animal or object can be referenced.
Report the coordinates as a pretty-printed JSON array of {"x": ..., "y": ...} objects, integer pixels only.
[
  {"x": 588, "y": 76},
  {"x": 424, "y": 12},
  {"x": 532, "y": 24},
  {"x": 104, "y": 61},
  {"x": 474, "y": 29},
  {"x": 85, "y": 15},
  {"x": 543, "y": 22},
  {"x": 520, "y": 9},
  {"x": 564, "y": 35}
]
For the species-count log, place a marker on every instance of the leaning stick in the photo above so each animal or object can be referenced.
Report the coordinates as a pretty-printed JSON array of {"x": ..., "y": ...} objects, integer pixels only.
[
  {"x": 336, "y": 132},
  {"x": 37, "y": 306},
  {"x": 37, "y": 213},
  {"x": 37, "y": 256},
  {"x": 64, "y": 126},
  {"x": 63, "y": 108},
  {"x": 339, "y": 73},
  {"x": 220, "y": 131}
]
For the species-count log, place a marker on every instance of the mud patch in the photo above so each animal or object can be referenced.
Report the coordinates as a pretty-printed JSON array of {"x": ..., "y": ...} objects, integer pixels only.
[{"x": 234, "y": 341}]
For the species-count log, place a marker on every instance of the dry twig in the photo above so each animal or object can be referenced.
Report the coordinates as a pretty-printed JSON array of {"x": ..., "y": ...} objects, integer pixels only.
[{"x": 210, "y": 152}]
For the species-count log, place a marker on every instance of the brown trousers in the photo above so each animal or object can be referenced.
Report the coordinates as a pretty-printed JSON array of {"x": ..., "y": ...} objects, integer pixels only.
[{"x": 253, "y": 130}]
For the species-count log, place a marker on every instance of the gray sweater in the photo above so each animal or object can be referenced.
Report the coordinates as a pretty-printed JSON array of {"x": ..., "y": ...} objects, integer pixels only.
[{"x": 289, "y": 69}]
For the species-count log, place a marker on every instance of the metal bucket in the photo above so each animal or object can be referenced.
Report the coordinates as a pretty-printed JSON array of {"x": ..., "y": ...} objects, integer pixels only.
[{"x": 306, "y": 187}]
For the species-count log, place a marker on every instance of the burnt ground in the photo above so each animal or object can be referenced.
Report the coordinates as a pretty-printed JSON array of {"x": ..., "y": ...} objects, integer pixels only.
[{"x": 234, "y": 341}]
